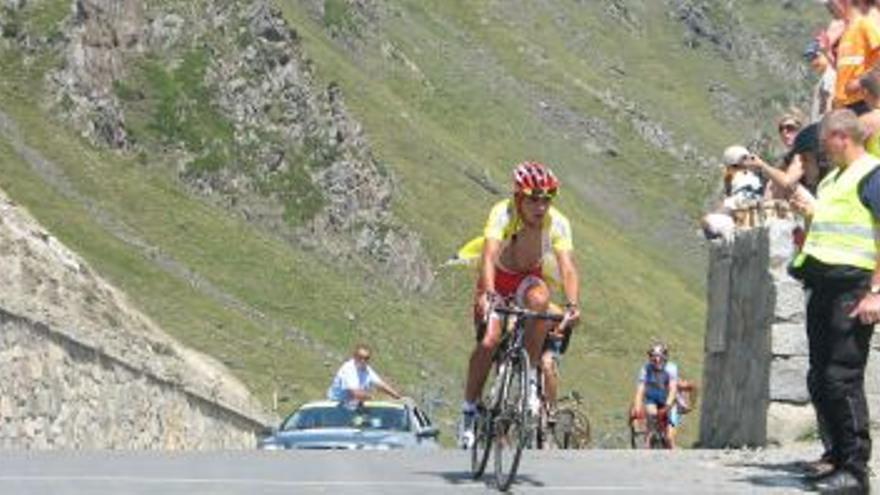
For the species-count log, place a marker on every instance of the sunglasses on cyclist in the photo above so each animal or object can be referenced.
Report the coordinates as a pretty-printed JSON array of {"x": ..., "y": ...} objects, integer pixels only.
[{"x": 540, "y": 193}]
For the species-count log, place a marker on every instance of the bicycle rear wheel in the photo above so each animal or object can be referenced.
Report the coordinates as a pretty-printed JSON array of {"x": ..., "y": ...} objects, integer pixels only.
[
  {"x": 572, "y": 429},
  {"x": 512, "y": 422},
  {"x": 583, "y": 433}
]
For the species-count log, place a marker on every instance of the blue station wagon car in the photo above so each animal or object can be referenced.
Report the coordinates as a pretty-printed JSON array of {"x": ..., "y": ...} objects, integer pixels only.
[{"x": 371, "y": 425}]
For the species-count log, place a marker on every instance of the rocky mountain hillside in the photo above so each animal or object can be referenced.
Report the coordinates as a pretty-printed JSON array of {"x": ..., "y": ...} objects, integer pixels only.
[
  {"x": 221, "y": 93},
  {"x": 272, "y": 181}
]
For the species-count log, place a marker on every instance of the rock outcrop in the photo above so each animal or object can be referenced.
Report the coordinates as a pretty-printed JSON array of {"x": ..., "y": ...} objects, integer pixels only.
[{"x": 248, "y": 125}]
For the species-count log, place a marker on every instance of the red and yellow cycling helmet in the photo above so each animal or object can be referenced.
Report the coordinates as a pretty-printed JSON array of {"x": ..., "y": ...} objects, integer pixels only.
[{"x": 534, "y": 179}]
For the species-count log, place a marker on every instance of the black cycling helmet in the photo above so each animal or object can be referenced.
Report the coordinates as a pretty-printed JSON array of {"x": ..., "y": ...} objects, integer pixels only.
[{"x": 658, "y": 348}]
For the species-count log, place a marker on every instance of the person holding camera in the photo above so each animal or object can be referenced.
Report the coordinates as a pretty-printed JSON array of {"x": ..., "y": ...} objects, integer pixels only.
[{"x": 741, "y": 187}]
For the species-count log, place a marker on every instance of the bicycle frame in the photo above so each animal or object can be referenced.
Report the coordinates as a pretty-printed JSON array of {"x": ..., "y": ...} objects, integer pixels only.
[{"x": 512, "y": 365}]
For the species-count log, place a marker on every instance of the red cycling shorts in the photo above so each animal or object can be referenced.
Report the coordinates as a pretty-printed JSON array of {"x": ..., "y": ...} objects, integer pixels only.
[{"x": 509, "y": 285}]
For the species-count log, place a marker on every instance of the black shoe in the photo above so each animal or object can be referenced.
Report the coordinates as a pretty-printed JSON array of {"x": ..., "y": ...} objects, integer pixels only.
[
  {"x": 818, "y": 469},
  {"x": 842, "y": 482}
]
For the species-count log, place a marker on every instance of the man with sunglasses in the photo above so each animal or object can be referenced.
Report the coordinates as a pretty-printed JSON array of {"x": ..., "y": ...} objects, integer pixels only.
[
  {"x": 524, "y": 240},
  {"x": 355, "y": 380}
]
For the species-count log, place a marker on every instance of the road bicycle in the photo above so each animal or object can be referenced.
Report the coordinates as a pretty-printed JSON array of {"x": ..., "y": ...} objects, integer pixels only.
[
  {"x": 504, "y": 421},
  {"x": 654, "y": 433}
]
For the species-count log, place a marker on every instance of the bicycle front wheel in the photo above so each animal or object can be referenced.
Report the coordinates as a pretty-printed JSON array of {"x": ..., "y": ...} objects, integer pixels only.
[
  {"x": 512, "y": 422},
  {"x": 482, "y": 443}
]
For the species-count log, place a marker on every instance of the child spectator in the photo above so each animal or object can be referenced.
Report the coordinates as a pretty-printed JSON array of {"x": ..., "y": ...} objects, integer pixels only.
[{"x": 741, "y": 187}]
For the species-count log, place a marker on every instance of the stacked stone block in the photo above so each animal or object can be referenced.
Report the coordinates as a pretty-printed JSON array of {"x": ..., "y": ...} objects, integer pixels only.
[
  {"x": 790, "y": 416},
  {"x": 736, "y": 365}
]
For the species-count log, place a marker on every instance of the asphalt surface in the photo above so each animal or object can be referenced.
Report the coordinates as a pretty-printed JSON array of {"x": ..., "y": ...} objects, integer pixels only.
[{"x": 423, "y": 473}]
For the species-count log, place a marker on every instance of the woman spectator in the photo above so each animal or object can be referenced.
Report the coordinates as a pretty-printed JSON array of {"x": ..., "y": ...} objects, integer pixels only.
[
  {"x": 792, "y": 170},
  {"x": 788, "y": 126},
  {"x": 806, "y": 165}
]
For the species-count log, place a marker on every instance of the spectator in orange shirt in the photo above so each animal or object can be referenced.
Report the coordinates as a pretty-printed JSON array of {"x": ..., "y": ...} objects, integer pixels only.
[{"x": 857, "y": 52}]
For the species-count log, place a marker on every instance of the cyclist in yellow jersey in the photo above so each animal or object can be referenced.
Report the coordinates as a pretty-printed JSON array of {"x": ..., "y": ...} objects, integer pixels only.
[{"x": 524, "y": 239}]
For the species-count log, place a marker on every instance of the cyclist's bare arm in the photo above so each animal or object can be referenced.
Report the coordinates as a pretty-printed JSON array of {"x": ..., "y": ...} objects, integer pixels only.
[
  {"x": 491, "y": 250},
  {"x": 639, "y": 399},
  {"x": 570, "y": 283},
  {"x": 673, "y": 391}
]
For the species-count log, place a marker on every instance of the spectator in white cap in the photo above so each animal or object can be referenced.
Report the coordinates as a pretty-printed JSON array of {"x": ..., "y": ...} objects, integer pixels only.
[{"x": 741, "y": 187}]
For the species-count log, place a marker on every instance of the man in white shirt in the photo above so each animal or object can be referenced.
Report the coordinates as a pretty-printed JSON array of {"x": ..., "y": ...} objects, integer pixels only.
[{"x": 355, "y": 380}]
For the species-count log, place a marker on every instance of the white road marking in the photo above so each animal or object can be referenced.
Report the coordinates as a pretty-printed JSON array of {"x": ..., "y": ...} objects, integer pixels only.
[{"x": 306, "y": 484}]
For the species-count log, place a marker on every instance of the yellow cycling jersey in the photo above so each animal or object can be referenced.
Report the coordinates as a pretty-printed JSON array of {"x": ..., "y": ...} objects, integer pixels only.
[{"x": 504, "y": 222}]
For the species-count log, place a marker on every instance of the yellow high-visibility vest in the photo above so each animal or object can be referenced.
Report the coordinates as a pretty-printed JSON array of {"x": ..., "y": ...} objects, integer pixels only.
[{"x": 842, "y": 229}]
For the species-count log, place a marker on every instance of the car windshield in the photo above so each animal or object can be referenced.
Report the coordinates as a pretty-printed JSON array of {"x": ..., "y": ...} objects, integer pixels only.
[{"x": 364, "y": 417}]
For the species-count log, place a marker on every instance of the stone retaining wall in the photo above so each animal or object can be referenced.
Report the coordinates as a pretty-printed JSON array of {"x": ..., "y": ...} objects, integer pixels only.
[{"x": 61, "y": 393}]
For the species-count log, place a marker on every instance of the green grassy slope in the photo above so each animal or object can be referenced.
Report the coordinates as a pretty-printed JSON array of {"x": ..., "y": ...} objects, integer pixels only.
[{"x": 468, "y": 101}]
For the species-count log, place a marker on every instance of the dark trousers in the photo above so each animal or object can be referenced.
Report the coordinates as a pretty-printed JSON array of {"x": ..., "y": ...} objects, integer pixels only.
[{"x": 839, "y": 347}]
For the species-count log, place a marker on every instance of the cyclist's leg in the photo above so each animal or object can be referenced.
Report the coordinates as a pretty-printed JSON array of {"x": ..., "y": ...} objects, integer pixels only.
[
  {"x": 481, "y": 360},
  {"x": 551, "y": 375},
  {"x": 479, "y": 364},
  {"x": 650, "y": 420},
  {"x": 534, "y": 294},
  {"x": 672, "y": 425}
]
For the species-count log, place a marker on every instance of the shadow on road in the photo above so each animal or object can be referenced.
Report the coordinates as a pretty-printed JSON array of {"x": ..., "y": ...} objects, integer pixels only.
[
  {"x": 775, "y": 475},
  {"x": 464, "y": 477}
]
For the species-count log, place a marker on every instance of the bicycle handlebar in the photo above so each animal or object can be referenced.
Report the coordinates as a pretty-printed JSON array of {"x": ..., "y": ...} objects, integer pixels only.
[{"x": 527, "y": 313}]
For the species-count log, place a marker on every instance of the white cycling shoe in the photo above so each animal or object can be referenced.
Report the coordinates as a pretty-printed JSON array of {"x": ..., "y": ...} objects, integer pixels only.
[
  {"x": 534, "y": 401},
  {"x": 466, "y": 435}
]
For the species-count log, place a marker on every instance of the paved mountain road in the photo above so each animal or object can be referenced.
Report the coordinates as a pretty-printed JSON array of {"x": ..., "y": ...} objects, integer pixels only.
[{"x": 423, "y": 473}]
